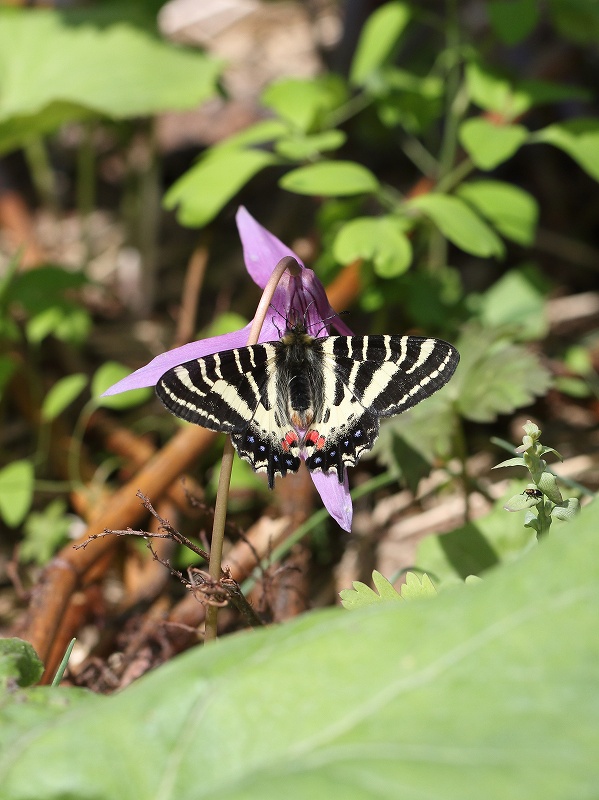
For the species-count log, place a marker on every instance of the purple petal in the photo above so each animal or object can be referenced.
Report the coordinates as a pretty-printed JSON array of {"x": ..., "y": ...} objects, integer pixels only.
[
  {"x": 152, "y": 372},
  {"x": 335, "y": 496},
  {"x": 262, "y": 250},
  {"x": 303, "y": 294}
]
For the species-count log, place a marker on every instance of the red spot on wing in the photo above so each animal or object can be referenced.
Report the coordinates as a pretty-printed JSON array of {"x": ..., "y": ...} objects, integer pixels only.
[
  {"x": 313, "y": 437},
  {"x": 290, "y": 438}
]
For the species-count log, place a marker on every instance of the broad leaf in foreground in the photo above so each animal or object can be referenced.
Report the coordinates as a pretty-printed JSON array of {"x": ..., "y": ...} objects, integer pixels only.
[{"x": 490, "y": 691}]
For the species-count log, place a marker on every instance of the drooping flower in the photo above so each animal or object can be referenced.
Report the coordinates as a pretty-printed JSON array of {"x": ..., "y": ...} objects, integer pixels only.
[{"x": 301, "y": 297}]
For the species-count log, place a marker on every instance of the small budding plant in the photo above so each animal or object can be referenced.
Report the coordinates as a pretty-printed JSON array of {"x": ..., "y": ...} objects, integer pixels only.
[{"x": 542, "y": 498}]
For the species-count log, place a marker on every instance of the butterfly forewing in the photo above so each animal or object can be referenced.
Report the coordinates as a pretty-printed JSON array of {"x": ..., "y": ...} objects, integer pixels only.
[
  {"x": 258, "y": 394},
  {"x": 235, "y": 392}
]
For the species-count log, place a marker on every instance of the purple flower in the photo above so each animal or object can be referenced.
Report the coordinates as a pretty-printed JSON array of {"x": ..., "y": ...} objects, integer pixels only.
[{"x": 302, "y": 296}]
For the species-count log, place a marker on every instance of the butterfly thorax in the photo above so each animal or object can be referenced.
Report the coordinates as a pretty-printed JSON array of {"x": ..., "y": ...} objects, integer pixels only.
[{"x": 299, "y": 376}]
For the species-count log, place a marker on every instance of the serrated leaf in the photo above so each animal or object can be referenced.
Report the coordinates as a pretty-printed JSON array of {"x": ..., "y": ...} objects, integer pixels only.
[
  {"x": 495, "y": 377},
  {"x": 45, "y": 532},
  {"x": 489, "y": 143},
  {"x": 579, "y": 138},
  {"x": 205, "y": 188},
  {"x": 417, "y": 587},
  {"x": 378, "y": 239},
  {"x": 331, "y": 179},
  {"x": 392, "y": 682},
  {"x": 19, "y": 663},
  {"x": 510, "y": 209},
  {"x": 460, "y": 224},
  {"x": 16, "y": 492},
  {"x": 362, "y": 595},
  {"x": 517, "y": 300},
  {"x": 62, "y": 394},
  {"x": 108, "y": 374},
  {"x": 378, "y": 40}
]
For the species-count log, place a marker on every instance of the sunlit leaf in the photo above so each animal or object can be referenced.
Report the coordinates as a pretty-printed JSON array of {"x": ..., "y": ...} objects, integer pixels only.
[
  {"x": 579, "y": 138},
  {"x": 381, "y": 240},
  {"x": 62, "y": 395},
  {"x": 378, "y": 40},
  {"x": 108, "y": 374},
  {"x": 331, "y": 179},
  {"x": 509, "y": 208},
  {"x": 490, "y": 143},
  {"x": 16, "y": 492},
  {"x": 460, "y": 224}
]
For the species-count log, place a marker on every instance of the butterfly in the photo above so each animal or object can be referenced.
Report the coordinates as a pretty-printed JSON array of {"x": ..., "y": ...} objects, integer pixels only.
[{"x": 321, "y": 397}]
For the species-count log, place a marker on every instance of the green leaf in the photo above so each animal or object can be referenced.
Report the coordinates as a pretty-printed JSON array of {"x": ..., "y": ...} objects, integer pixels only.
[
  {"x": 518, "y": 461},
  {"x": 579, "y": 138},
  {"x": 362, "y": 595},
  {"x": 16, "y": 492},
  {"x": 331, "y": 179},
  {"x": 205, "y": 188},
  {"x": 488, "y": 143},
  {"x": 19, "y": 663},
  {"x": 494, "y": 376},
  {"x": 513, "y": 20},
  {"x": 510, "y": 209},
  {"x": 547, "y": 483},
  {"x": 64, "y": 321},
  {"x": 105, "y": 376},
  {"x": 301, "y": 148},
  {"x": 118, "y": 71},
  {"x": 378, "y": 40},
  {"x": 516, "y": 300},
  {"x": 45, "y": 532},
  {"x": 417, "y": 587},
  {"x": 303, "y": 102},
  {"x": 353, "y": 705},
  {"x": 7, "y": 370},
  {"x": 521, "y": 501},
  {"x": 567, "y": 510},
  {"x": 62, "y": 394},
  {"x": 459, "y": 224},
  {"x": 378, "y": 239}
]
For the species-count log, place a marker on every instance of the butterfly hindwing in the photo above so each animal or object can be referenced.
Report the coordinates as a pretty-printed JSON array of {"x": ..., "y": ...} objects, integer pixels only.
[
  {"x": 366, "y": 378},
  {"x": 235, "y": 392}
]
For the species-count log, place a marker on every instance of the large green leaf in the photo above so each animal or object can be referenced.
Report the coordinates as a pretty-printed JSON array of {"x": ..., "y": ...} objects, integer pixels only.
[
  {"x": 513, "y": 20},
  {"x": 460, "y": 224},
  {"x": 579, "y": 138},
  {"x": 488, "y": 143},
  {"x": 490, "y": 691},
  {"x": 119, "y": 71},
  {"x": 378, "y": 40},
  {"x": 509, "y": 208}
]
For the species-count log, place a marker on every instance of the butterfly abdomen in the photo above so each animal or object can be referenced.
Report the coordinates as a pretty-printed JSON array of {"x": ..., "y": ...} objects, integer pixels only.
[{"x": 299, "y": 377}]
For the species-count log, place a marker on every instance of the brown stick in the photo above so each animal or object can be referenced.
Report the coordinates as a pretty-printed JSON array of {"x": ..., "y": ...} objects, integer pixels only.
[{"x": 65, "y": 572}]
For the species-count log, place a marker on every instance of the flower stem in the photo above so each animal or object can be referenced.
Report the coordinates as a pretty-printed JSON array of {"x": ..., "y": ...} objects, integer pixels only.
[{"x": 222, "y": 494}]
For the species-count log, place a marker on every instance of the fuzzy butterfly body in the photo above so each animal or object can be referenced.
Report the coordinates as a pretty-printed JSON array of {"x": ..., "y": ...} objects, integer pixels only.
[{"x": 322, "y": 398}]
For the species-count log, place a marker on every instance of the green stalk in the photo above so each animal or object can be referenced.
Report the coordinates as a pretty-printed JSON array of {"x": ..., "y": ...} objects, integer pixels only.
[{"x": 222, "y": 495}]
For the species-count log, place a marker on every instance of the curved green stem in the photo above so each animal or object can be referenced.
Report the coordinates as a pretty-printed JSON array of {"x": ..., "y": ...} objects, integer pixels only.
[{"x": 222, "y": 494}]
